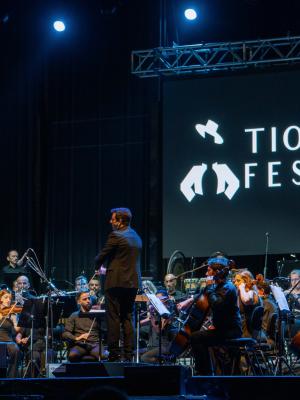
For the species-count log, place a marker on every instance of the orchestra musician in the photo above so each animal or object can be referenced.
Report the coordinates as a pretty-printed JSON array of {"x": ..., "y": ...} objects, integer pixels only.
[
  {"x": 13, "y": 269},
  {"x": 248, "y": 299},
  {"x": 270, "y": 308},
  {"x": 8, "y": 329},
  {"x": 81, "y": 283},
  {"x": 82, "y": 333},
  {"x": 23, "y": 290},
  {"x": 95, "y": 290},
  {"x": 169, "y": 329},
  {"x": 170, "y": 282},
  {"x": 293, "y": 297},
  {"x": 221, "y": 298}
]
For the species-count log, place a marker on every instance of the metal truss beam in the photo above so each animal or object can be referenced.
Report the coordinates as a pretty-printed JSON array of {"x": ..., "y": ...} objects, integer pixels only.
[{"x": 209, "y": 57}]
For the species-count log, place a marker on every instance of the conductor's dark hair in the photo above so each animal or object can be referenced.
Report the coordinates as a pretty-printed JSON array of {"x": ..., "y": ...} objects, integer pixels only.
[{"x": 122, "y": 213}]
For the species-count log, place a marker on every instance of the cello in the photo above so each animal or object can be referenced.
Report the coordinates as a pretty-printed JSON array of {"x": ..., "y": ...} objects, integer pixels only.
[
  {"x": 197, "y": 315},
  {"x": 200, "y": 307}
]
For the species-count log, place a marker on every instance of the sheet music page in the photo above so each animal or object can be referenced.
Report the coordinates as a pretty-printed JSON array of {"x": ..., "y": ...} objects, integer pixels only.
[
  {"x": 280, "y": 298},
  {"x": 158, "y": 305}
]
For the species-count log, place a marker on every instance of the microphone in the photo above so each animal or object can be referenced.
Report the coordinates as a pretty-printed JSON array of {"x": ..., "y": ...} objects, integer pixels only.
[{"x": 20, "y": 262}]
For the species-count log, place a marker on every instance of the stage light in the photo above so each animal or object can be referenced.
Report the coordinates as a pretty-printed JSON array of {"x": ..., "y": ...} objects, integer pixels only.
[
  {"x": 190, "y": 14},
  {"x": 59, "y": 26}
]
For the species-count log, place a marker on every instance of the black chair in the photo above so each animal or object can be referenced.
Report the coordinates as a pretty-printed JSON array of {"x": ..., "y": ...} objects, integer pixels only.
[
  {"x": 256, "y": 324},
  {"x": 225, "y": 358},
  {"x": 3, "y": 359},
  {"x": 236, "y": 349}
]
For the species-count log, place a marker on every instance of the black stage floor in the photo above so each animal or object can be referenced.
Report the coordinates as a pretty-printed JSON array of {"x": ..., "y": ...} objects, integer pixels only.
[{"x": 143, "y": 382}]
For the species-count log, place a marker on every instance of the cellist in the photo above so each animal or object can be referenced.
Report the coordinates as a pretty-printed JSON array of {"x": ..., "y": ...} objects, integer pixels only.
[{"x": 221, "y": 296}]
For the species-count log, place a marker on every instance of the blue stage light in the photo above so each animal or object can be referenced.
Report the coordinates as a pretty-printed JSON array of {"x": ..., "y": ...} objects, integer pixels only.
[
  {"x": 190, "y": 14},
  {"x": 59, "y": 26}
]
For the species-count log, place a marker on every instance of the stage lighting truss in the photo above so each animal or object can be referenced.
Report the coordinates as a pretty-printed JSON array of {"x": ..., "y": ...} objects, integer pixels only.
[{"x": 209, "y": 57}]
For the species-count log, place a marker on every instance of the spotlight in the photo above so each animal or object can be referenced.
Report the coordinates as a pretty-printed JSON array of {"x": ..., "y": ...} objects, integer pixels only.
[
  {"x": 190, "y": 14},
  {"x": 59, "y": 26}
]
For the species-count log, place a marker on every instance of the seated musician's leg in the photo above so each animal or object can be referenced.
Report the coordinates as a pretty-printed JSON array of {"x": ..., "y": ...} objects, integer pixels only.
[
  {"x": 200, "y": 343},
  {"x": 151, "y": 356},
  {"x": 94, "y": 352},
  {"x": 76, "y": 353},
  {"x": 13, "y": 357}
]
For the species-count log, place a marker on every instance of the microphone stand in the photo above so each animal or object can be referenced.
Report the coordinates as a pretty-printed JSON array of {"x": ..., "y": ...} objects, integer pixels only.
[
  {"x": 203, "y": 265},
  {"x": 192, "y": 273},
  {"x": 266, "y": 254},
  {"x": 35, "y": 266}
]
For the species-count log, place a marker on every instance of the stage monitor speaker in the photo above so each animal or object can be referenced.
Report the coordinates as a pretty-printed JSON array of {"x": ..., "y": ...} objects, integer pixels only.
[
  {"x": 151, "y": 380},
  {"x": 90, "y": 369}
]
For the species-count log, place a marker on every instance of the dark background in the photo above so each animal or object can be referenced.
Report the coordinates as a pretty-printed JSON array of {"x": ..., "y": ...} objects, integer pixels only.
[{"x": 79, "y": 134}]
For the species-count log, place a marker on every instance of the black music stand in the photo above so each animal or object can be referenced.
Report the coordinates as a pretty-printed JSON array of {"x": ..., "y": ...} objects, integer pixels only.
[
  {"x": 98, "y": 315},
  {"x": 35, "y": 314},
  {"x": 162, "y": 312},
  {"x": 70, "y": 305},
  {"x": 284, "y": 315},
  {"x": 32, "y": 317}
]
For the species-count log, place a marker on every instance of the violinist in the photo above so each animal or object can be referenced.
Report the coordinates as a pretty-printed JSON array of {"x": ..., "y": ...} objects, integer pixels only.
[
  {"x": 221, "y": 297},
  {"x": 168, "y": 329},
  {"x": 270, "y": 308},
  {"x": 248, "y": 298},
  {"x": 8, "y": 329}
]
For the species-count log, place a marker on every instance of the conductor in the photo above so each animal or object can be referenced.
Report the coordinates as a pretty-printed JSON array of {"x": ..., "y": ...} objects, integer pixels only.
[{"x": 121, "y": 253}]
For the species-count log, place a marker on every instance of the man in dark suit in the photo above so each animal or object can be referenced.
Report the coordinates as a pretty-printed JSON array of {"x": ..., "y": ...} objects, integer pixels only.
[{"x": 121, "y": 254}]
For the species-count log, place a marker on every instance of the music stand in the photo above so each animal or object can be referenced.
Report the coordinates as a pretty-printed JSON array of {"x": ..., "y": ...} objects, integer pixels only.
[
  {"x": 70, "y": 305},
  {"x": 97, "y": 315},
  {"x": 139, "y": 299},
  {"x": 284, "y": 314},
  {"x": 162, "y": 312},
  {"x": 32, "y": 317}
]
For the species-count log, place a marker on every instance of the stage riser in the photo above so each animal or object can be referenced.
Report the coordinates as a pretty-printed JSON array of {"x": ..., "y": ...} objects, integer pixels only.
[{"x": 135, "y": 384}]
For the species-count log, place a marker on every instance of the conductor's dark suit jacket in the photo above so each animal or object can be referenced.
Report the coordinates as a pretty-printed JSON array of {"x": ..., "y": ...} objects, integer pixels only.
[{"x": 121, "y": 255}]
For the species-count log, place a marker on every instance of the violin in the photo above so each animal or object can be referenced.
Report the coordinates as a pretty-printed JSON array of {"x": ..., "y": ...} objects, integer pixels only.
[{"x": 10, "y": 310}]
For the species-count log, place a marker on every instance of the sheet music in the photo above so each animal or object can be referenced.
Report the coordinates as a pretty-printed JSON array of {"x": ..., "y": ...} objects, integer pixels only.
[
  {"x": 280, "y": 298},
  {"x": 158, "y": 305}
]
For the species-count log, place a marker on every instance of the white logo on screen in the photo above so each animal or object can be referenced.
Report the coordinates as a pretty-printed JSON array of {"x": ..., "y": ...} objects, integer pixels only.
[{"x": 227, "y": 181}]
